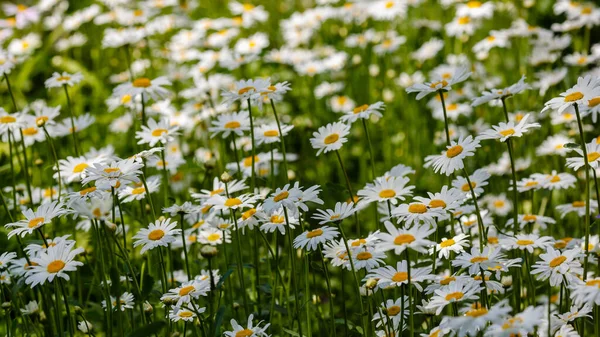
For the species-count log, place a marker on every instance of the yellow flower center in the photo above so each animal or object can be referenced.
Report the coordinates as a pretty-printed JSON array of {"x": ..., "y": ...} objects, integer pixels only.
[
  {"x": 455, "y": 296},
  {"x": 387, "y": 193},
  {"x": 586, "y": 10},
  {"x": 404, "y": 239},
  {"x": 507, "y": 133},
  {"x": 232, "y": 125},
  {"x": 142, "y": 82},
  {"x": 417, "y": 208},
  {"x": 435, "y": 84},
  {"x": 314, "y": 233},
  {"x": 63, "y": 78},
  {"x": 464, "y": 20},
  {"x": 358, "y": 242},
  {"x": 232, "y": 202},
  {"x": 332, "y": 138},
  {"x": 361, "y": 108},
  {"x": 389, "y": 4},
  {"x": 186, "y": 290},
  {"x": 158, "y": 132},
  {"x": 55, "y": 266},
  {"x": 156, "y": 234},
  {"x": 499, "y": 203},
  {"x": 138, "y": 190},
  {"x": 364, "y": 256},
  {"x": 271, "y": 133},
  {"x": 491, "y": 38},
  {"x": 437, "y": 203},
  {"x": 247, "y": 214},
  {"x": 185, "y": 314},
  {"x": 87, "y": 190},
  {"x": 573, "y": 97},
  {"x": 393, "y": 310},
  {"x": 248, "y": 161},
  {"x": 7, "y": 119},
  {"x": 80, "y": 167},
  {"x": 33, "y": 223},
  {"x": 244, "y": 333},
  {"x": 245, "y": 90},
  {"x": 479, "y": 259},
  {"x": 454, "y": 151},
  {"x": 125, "y": 99},
  {"x": 529, "y": 217},
  {"x": 277, "y": 219},
  {"x": 476, "y": 312},
  {"x": 467, "y": 188},
  {"x": 213, "y": 237},
  {"x": 578, "y": 204},
  {"x": 593, "y": 156},
  {"x": 30, "y": 131},
  {"x": 593, "y": 283},
  {"x": 474, "y": 4},
  {"x": 557, "y": 261},
  {"x": 524, "y": 242},
  {"x": 400, "y": 276},
  {"x": 493, "y": 240},
  {"x": 281, "y": 196},
  {"x": 447, "y": 243},
  {"x": 111, "y": 169},
  {"x": 594, "y": 102}
]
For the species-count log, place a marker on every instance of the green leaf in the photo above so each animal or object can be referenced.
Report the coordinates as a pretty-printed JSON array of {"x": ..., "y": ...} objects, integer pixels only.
[
  {"x": 147, "y": 286},
  {"x": 225, "y": 276},
  {"x": 150, "y": 329},
  {"x": 572, "y": 146},
  {"x": 293, "y": 333},
  {"x": 219, "y": 320}
]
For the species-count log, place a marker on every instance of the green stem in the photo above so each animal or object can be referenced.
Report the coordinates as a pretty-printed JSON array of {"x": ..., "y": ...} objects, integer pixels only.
[
  {"x": 185, "y": 255},
  {"x": 70, "y": 109},
  {"x": 285, "y": 167},
  {"x": 293, "y": 276},
  {"x": 240, "y": 265},
  {"x": 364, "y": 123},
  {"x": 55, "y": 156},
  {"x": 587, "y": 192},
  {"x": 446, "y": 128},
  {"x": 253, "y": 175},
  {"x": 26, "y": 168}
]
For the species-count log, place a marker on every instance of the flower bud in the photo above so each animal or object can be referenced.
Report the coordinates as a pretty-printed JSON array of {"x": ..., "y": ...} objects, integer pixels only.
[{"x": 208, "y": 251}]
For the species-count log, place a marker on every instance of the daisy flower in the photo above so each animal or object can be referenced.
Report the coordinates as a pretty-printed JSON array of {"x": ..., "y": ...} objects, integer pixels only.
[
  {"x": 576, "y": 207},
  {"x": 495, "y": 94},
  {"x": 504, "y": 131},
  {"x": 153, "y": 133},
  {"x": 593, "y": 156},
  {"x": 311, "y": 239},
  {"x": 455, "y": 244},
  {"x": 43, "y": 215},
  {"x": 250, "y": 331},
  {"x": 138, "y": 191},
  {"x": 85, "y": 326},
  {"x": 159, "y": 233},
  {"x": 478, "y": 179},
  {"x": 558, "y": 266},
  {"x": 521, "y": 324},
  {"x": 285, "y": 196},
  {"x": 417, "y": 213},
  {"x": 477, "y": 261},
  {"x": 6, "y": 258},
  {"x": 276, "y": 221},
  {"x": 341, "y": 103},
  {"x": 399, "y": 239},
  {"x": 441, "y": 83},
  {"x": 212, "y": 236},
  {"x": 269, "y": 133},
  {"x": 177, "y": 314},
  {"x": 187, "y": 292},
  {"x": 58, "y": 80},
  {"x": 366, "y": 257},
  {"x": 476, "y": 318},
  {"x": 585, "y": 90},
  {"x": 392, "y": 310},
  {"x": 526, "y": 242},
  {"x": 451, "y": 160},
  {"x": 531, "y": 220},
  {"x": 390, "y": 277},
  {"x": 244, "y": 90},
  {"x": 453, "y": 293},
  {"x": 330, "y": 137},
  {"x": 218, "y": 188},
  {"x": 54, "y": 262},
  {"x": 363, "y": 112},
  {"x": 556, "y": 180},
  {"x": 113, "y": 175},
  {"x": 236, "y": 122},
  {"x": 340, "y": 212},
  {"x": 126, "y": 301},
  {"x": 586, "y": 292},
  {"x": 23, "y": 15},
  {"x": 145, "y": 87},
  {"x": 384, "y": 189}
]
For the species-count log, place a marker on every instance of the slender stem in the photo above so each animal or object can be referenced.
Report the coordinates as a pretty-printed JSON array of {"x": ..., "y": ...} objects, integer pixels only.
[
  {"x": 240, "y": 265},
  {"x": 339, "y": 157},
  {"x": 293, "y": 276},
  {"x": 587, "y": 192},
  {"x": 253, "y": 175},
  {"x": 165, "y": 178},
  {"x": 12, "y": 171},
  {"x": 73, "y": 130},
  {"x": 12, "y": 96},
  {"x": 69, "y": 318},
  {"x": 55, "y": 156},
  {"x": 364, "y": 123},
  {"x": 26, "y": 168},
  {"x": 235, "y": 154},
  {"x": 185, "y": 255},
  {"x": 143, "y": 109},
  {"x": 285, "y": 167},
  {"x": 477, "y": 211},
  {"x": 329, "y": 293},
  {"x": 514, "y": 189},
  {"x": 409, "y": 288},
  {"x": 446, "y": 128}
]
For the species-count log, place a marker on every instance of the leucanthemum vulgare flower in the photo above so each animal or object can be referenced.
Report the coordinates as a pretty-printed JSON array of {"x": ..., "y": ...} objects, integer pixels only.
[
  {"x": 269, "y": 133},
  {"x": 250, "y": 330},
  {"x": 43, "y": 215},
  {"x": 144, "y": 86},
  {"x": 138, "y": 191},
  {"x": 311, "y": 239},
  {"x": 447, "y": 200},
  {"x": 177, "y": 314},
  {"x": 504, "y": 131},
  {"x": 521, "y": 324},
  {"x": 113, "y": 175},
  {"x": 558, "y": 266},
  {"x": 244, "y": 90},
  {"x": 527, "y": 242},
  {"x": 220, "y": 202},
  {"x": 586, "y": 89},
  {"x": 455, "y": 244},
  {"x": 390, "y": 277},
  {"x": 477, "y": 260},
  {"x": 578, "y": 207},
  {"x": 73, "y": 168},
  {"x": 399, "y": 239},
  {"x": 451, "y": 160},
  {"x": 286, "y": 196},
  {"x": 341, "y": 103},
  {"x": 392, "y": 310},
  {"x": 6, "y": 258},
  {"x": 366, "y": 257},
  {"x": 126, "y": 301},
  {"x": 330, "y": 137},
  {"x": 384, "y": 189},
  {"x": 153, "y": 133},
  {"x": 364, "y": 111},
  {"x": 478, "y": 179},
  {"x": 452, "y": 293},
  {"x": 58, "y": 80},
  {"x": 340, "y": 212},
  {"x": 417, "y": 212},
  {"x": 593, "y": 156},
  {"x": 218, "y": 188},
  {"x": 555, "y": 180},
  {"x": 228, "y": 123},
  {"x": 34, "y": 250},
  {"x": 587, "y": 292},
  {"x": 213, "y": 236},
  {"x": 274, "y": 93},
  {"x": 54, "y": 262},
  {"x": 476, "y": 319},
  {"x": 275, "y": 220},
  {"x": 532, "y": 220},
  {"x": 495, "y": 94},
  {"x": 187, "y": 292},
  {"x": 159, "y": 233},
  {"x": 443, "y": 83}
]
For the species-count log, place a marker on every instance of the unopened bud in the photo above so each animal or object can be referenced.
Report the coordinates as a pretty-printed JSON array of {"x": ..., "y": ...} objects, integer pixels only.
[
  {"x": 6, "y": 305},
  {"x": 148, "y": 307},
  {"x": 507, "y": 281},
  {"x": 208, "y": 251},
  {"x": 40, "y": 122},
  {"x": 371, "y": 283},
  {"x": 236, "y": 305},
  {"x": 225, "y": 177},
  {"x": 39, "y": 162}
]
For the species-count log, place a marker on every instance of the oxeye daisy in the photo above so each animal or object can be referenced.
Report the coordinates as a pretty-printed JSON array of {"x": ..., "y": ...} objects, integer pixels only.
[
  {"x": 593, "y": 156},
  {"x": 504, "y": 131},
  {"x": 43, "y": 215},
  {"x": 144, "y": 86},
  {"x": 363, "y": 112},
  {"x": 126, "y": 301},
  {"x": 558, "y": 266},
  {"x": 311, "y": 239},
  {"x": 159, "y": 233},
  {"x": 451, "y": 160},
  {"x": 366, "y": 257},
  {"x": 453, "y": 293},
  {"x": 58, "y": 80},
  {"x": 441, "y": 83},
  {"x": 531, "y": 220},
  {"x": 477, "y": 317},
  {"x": 245, "y": 90},
  {"x": 285, "y": 196},
  {"x": 188, "y": 291},
  {"x": 114, "y": 174},
  {"x": 399, "y": 239},
  {"x": 578, "y": 207},
  {"x": 6, "y": 258},
  {"x": 153, "y": 132},
  {"x": 180, "y": 314},
  {"x": 555, "y": 180},
  {"x": 587, "y": 292},
  {"x": 554, "y": 145},
  {"x": 531, "y": 183},
  {"x": 417, "y": 213},
  {"x": 213, "y": 236},
  {"x": 250, "y": 331},
  {"x": 495, "y": 94},
  {"x": 225, "y": 124},
  {"x": 341, "y": 103},
  {"x": 394, "y": 311},
  {"x": 523, "y": 323},
  {"x": 389, "y": 277},
  {"x": 478, "y": 260},
  {"x": 54, "y": 262},
  {"x": 269, "y": 133},
  {"x": 138, "y": 191},
  {"x": 585, "y": 90},
  {"x": 383, "y": 189},
  {"x": 447, "y": 200},
  {"x": 338, "y": 213},
  {"x": 218, "y": 188},
  {"x": 330, "y": 137},
  {"x": 478, "y": 179},
  {"x": 526, "y": 242},
  {"x": 455, "y": 244},
  {"x": 276, "y": 221}
]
